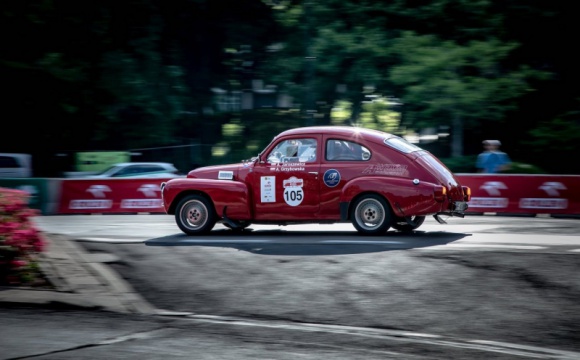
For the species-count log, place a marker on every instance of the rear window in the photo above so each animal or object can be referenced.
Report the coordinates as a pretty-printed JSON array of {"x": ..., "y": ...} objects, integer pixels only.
[{"x": 401, "y": 145}]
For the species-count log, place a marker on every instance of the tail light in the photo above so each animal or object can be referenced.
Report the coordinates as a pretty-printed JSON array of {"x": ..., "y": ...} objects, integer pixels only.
[
  {"x": 466, "y": 193},
  {"x": 440, "y": 193}
]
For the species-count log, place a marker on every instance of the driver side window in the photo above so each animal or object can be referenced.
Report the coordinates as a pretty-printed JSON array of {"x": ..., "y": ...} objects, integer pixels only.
[{"x": 294, "y": 150}]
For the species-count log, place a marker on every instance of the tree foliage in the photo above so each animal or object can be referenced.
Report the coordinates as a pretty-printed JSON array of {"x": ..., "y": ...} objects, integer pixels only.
[{"x": 113, "y": 75}]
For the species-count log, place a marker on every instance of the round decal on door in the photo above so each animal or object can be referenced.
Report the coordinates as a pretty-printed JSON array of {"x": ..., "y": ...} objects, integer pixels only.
[
  {"x": 331, "y": 177},
  {"x": 293, "y": 192}
]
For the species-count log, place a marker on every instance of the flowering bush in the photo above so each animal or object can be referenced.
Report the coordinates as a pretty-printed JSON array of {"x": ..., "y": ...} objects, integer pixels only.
[{"x": 20, "y": 242}]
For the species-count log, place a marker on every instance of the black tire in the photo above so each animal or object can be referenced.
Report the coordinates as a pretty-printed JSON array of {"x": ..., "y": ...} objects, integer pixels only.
[
  {"x": 371, "y": 215},
  {"x": 195, "y": 214},
  {"x": 240, "y": 226},
  {"x": 402, "y": 225}
]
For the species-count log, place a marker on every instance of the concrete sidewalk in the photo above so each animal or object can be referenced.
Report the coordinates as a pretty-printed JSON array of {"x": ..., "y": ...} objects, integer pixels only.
[{"x": 80, "y": 279}]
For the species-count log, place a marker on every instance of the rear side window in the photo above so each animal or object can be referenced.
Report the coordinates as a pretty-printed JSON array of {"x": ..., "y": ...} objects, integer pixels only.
[
  {"x": 8, "y": 162},
  {"x": 402, "y": 145},
  {"x": 344, "y": 150},
  {"x": 15, "y": 165},
  {"x": 129, "y": 170}
]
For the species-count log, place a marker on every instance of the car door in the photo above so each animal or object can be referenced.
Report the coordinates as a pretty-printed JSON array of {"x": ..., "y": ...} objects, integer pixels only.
[
  {"x": 286, "y": 181},
  {"x": 343, "y": 160}
]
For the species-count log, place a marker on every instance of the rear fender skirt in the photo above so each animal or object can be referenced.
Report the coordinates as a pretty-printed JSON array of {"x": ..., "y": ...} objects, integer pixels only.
[{"x": 405, "y": 197}]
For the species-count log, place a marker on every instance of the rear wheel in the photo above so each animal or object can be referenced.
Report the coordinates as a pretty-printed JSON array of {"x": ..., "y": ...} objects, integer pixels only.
[
  {"x": 371, "y": 215},
  {"x": 195, "y": 214},
  {"x": 414, "y": 222}
]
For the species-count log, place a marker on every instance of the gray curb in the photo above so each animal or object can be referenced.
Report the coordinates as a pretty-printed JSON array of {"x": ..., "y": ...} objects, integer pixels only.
[{"x": 80, "y": 279}]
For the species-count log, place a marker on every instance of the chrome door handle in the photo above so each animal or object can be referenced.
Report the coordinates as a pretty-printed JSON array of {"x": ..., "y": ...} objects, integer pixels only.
[{"x": 313, "y": 172}]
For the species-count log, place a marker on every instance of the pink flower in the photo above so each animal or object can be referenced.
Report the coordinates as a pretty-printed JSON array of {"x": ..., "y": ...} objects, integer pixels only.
[
  {"x": 18, "y": 263},
  {"x": 9, "y": 227},
  {"x": 39, "y": 245}
]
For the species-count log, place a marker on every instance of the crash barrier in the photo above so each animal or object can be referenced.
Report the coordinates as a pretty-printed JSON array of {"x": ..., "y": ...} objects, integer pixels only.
[
  {"x": 57, "y": 196},
  {"x": 491, "y": 193},
  {"x": 44, "y": 194},
  {"x": 523, "y": 194},
  {"x": 111, "y": 196}
]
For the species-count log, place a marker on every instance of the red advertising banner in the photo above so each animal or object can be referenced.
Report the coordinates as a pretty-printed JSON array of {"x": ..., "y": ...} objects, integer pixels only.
[
  {"x": 523, "y": 194},
  {"x": 82, "y": 196},
  {"x": 490, "y": 193}
]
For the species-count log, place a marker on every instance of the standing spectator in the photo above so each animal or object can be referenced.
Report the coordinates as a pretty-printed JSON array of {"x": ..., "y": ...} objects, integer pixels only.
[{"x": 492, "y": 160}]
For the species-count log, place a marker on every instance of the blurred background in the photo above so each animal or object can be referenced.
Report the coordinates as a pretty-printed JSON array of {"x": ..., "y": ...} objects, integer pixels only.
[{"x": 200, "y": 82}]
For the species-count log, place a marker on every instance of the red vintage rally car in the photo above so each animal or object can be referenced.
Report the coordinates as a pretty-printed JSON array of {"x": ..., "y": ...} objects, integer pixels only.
[{"x": 320, "y": 174}]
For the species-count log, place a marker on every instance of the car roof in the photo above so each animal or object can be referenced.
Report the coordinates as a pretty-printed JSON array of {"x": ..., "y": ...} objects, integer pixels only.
[{"x": 339, "y": 130}]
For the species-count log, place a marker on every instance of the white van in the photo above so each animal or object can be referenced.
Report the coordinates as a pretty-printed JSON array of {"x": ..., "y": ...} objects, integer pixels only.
[{"x": 15, "y": 165}]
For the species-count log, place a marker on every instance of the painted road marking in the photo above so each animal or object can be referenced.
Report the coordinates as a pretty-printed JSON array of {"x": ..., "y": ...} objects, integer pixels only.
[{"x": 395, "y": 335}]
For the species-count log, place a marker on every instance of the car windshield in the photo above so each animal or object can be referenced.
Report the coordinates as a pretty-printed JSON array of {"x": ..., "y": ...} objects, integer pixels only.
[{"x": 401, "y": 145}]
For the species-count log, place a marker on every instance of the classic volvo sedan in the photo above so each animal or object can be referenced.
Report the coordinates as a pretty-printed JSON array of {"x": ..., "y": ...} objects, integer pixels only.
[{"x": 320, "y": 174}]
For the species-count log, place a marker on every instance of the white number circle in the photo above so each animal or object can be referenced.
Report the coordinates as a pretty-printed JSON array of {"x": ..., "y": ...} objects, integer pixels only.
[{"x": 293, "y": 195}]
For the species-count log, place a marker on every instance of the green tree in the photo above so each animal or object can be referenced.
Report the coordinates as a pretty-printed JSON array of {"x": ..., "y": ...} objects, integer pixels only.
[
  {"x": 553, "y": 141},
  {"x": 445, "y": 83},
  {"x": 450, "y": 62}
]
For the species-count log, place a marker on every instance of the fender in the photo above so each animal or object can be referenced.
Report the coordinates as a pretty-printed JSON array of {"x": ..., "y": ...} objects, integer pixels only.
[
  {"x": 404, "y": 196},
  {"x": 233, "y": 194}
]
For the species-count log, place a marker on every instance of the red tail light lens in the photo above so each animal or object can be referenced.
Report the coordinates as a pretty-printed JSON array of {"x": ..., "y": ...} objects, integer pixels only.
[
  {"x": 466, "y": 193},
  {"x": 440, "y": 193}
]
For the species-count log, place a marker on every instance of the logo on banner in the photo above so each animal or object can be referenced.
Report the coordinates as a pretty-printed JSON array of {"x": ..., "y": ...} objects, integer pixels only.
[
  {"x": 493, "y": 188},
  {"x": 552, "y": 188},
  {"x": 150, "y": 191},
  {"x": 293, "y": 192},
  {"x": 99, "y": 192}
]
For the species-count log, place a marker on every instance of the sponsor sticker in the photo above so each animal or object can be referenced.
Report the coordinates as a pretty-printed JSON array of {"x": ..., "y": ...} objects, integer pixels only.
[
  {"x": 268, "y": 189},
  {"x": 386, "y": 169},
  {"x": 331, "y": 177},
  {"x": 225, "y": 175}
]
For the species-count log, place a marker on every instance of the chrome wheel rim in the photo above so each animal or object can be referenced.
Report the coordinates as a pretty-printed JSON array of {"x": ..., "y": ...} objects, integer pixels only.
[
  {"x": 370, "y": 214},
  {"x": 194, "y": 214}
]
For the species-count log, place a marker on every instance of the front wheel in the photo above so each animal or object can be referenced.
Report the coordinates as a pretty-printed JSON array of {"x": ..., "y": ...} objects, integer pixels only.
[
  {"x": 414, "y": 222},
  {"x": 371, "y": 215},
  {"x": 195, "y": 214}
]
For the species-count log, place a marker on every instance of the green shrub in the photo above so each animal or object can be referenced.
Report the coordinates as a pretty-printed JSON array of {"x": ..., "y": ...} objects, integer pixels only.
[
  {"x": 466, "y": 164},
  {"x": 461, "y": 164},
  {"x": 522, "y": 168}
]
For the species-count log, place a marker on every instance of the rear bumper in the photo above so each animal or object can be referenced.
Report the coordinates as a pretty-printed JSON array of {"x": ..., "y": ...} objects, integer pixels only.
[
  {"x": 459, "y": 206},
  {"x": 456, "y": 208}
]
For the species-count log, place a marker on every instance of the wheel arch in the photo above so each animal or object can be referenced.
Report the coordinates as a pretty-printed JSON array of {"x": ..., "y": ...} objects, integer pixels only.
[
  {"x": 222, "y": 194},
  {"x": 182, "y": 194},
  {"x": 346, "y": 205}
]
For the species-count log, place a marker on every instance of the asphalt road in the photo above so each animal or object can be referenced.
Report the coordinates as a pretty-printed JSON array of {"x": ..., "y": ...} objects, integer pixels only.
[{"x": 482, "y": 287}]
